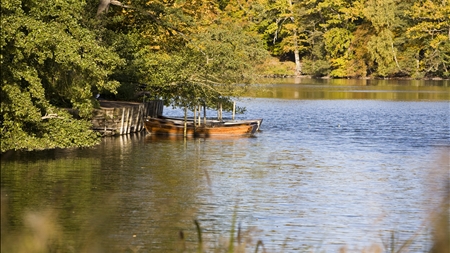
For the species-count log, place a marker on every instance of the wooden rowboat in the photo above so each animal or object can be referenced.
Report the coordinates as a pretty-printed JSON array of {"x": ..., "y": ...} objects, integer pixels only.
[
  {"x": 160, "y": 126},
  {"x": 180, "y": 120}
]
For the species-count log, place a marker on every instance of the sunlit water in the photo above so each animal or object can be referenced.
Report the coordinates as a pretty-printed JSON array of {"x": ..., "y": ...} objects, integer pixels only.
[{"x": 324, "y": 173}]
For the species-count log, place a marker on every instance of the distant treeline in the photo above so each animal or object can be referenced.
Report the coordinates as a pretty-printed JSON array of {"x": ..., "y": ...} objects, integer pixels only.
[{"x": 354, "y": 38}]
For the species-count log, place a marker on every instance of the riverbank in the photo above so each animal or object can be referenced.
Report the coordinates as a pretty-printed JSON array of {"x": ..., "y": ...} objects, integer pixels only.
[{"x": 290, "y": 75}]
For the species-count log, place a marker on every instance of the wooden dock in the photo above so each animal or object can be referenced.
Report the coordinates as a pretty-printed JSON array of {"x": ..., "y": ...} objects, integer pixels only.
[{"x": 119, "y": 118}]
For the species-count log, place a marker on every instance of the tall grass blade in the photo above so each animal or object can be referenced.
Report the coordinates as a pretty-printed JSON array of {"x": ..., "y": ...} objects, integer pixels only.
[
  {"x": 239, "y": 234},
  {"x": 182, "y": 245},
  {"x": 233, "y": 224},
  {"x": 259, "y": 243},
  {"x": 392, "y": 242},
  {"x": 199, "y": 233}
]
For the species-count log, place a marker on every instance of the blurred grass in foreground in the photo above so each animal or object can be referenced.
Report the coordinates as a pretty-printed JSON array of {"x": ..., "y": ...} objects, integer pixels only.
[{"x": 42, "y": 234}]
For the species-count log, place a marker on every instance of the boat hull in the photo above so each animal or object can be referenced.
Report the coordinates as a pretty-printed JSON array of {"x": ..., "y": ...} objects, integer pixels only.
[
  {"x": 179, "y": 120},
  {"x": 169, "y": 127}
]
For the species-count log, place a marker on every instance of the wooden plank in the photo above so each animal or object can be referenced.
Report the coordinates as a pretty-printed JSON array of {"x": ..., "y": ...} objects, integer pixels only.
[
  {"x": 124, "y": 117},
  {"x": 130, "y": 112},
  {"x": 122, "y": 121}
]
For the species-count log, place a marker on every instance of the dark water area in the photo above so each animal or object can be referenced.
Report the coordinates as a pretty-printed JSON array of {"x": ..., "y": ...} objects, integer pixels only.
[{"x": 324, "y": 173}]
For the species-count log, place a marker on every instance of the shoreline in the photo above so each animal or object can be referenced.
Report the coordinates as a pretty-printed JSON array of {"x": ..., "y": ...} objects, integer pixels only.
[{"x": 279, "y": 76}]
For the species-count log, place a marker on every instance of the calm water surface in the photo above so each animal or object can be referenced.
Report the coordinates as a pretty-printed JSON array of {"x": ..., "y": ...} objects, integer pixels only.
[{"x": 327, "y": 170}]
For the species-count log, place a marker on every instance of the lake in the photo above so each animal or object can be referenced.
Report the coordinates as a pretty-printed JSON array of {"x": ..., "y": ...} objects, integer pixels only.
[{"x": 337, "y": 164}]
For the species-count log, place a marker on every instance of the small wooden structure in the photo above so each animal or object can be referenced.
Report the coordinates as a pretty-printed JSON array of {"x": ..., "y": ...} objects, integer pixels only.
[{"x": 119, "y": 117}]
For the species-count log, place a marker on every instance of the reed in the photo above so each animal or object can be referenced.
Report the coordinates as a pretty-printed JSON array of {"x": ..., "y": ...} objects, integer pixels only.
[
  {"x": 230, "y": 247},
  {"x": 199, "y": 233},
  {"x": 43, "y": 235}
]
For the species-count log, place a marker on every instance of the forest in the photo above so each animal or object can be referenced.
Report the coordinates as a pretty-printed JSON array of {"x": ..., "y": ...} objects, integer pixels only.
[{"x": 56, "y": 55}]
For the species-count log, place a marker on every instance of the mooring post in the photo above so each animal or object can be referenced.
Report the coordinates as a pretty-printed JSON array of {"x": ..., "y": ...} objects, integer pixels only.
[
  {"x": 122, "y": 120},
  {"x": 195, "y": 117},
  {"x": 204, "y": 115},
  {"x": 219, "y": 112},
  {"x": 199, "y": 115},
  {"x": 234, "y": 109},
  {"x": 185, "y": 121}
]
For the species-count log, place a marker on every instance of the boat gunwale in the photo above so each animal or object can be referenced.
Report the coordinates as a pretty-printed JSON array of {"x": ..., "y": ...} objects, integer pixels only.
[{"x": 160, "y": 126}]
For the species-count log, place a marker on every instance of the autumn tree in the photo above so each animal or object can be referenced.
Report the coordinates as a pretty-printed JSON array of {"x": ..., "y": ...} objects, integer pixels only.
[
  {"x": 430, "y": 37},
  {"x": 383, "y": 16},
  {"x": 318, "y": 23}
]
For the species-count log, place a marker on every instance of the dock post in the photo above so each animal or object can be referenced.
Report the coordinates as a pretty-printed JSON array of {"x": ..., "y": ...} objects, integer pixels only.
[
  {"x": 199, "y": 107},
  {"x": 185, "y": 122},
  {"x": 122, "y": 122},
  {"x": 219, "y": 112},
  {"x": 204, "y": 115},
  {"x": 195, "y": 115},
  {"x": 234, "y": 109}
]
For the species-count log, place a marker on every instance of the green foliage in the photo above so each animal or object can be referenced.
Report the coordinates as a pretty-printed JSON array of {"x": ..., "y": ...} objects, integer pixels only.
[
  {"x": 54, "y": 132},
  {"x": 272, "y": 67},
  {"x": 337, "y": 41},
  {"x": 207, "y": 70},
  {"x": 337, "y": 44},
  {"x": 317, "y": 68},
  {"x": 360, "y": 61},
  {"x": 373, "y": 37},
  {"x": 380, "y": 48},
  {"x": 430, "y": 34},
  {"x": 381, "y": 14},
  {"x": 49, "y": 59},
  {"x": 339, "y": 67}
]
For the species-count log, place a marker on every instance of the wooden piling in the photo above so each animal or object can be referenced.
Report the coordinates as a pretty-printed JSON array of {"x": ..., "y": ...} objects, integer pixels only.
[
  {"x": 204, "y": 114},
  {"x": 119, "y": 118},
  {"x": 234, "y": 110},
  {"x": 185, "y": 122},
  {"x": 219, "y": 111},
  {"x": 199, "y": 115}
]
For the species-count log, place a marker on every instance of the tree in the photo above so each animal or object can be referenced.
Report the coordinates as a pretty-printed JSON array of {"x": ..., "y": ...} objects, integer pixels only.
[
  {"x": 298, "y": 66},
  {"x": 189, "y": 53},
  {"x": 314, "y": 18},
  {"x": 430, "y": 34},
  {"x": 384, "y": 17},
  {"x": 283, "y": 30},
  {"x": 337, "y": 44},
  {"x": 274, "y": 22},
  {"x": 215, "y": 65},
  {"x": 50, "y": 60}
]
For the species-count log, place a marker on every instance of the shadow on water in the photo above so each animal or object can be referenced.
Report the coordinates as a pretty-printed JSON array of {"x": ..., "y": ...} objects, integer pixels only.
[{"x": 118, "y": 196}]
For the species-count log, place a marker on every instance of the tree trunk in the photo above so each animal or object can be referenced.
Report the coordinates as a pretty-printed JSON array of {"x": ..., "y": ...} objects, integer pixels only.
[
  {"x": 103, "y": 6},
  {"x": 298, "y": 66}
]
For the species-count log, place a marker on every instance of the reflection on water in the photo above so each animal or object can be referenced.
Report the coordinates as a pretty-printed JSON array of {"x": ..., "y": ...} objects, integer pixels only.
[
  {"x": 355, "y": 82},
  {"x": 322, "y": 174},
  {"x": 305, "y": 88}
]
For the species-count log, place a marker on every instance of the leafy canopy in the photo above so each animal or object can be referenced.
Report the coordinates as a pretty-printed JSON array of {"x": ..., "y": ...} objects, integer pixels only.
[{"x": 50, "y": 60}]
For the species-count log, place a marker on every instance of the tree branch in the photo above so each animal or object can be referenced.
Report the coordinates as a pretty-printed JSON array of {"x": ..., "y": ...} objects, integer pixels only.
[
  {"x": 51, "y": 116},
  {"x": 103, "y": 6}
]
